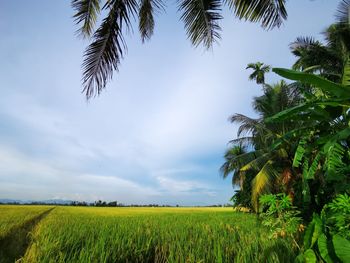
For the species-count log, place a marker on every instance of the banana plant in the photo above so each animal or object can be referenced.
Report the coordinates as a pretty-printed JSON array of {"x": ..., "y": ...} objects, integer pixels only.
[{"x": 323, "y": 149}]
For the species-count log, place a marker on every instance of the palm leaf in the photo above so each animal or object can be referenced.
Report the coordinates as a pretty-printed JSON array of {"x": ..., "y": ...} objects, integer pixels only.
[
  {"x": 201, "y": 19},
  {"x": 247, "y": 141},
  {"x": 103, "y": 55},
  {"x": 86, "y": 14},
  {"x": 146, "y": 17},
  {"x": 248, "y": 125},
  {"x": 270, "y": 13},
  {"x": 303, "y": 42},
  {"x": 263, "y": 180},
  {"x": 257, "y": 163},
  {"x": 342, "y": 13}
]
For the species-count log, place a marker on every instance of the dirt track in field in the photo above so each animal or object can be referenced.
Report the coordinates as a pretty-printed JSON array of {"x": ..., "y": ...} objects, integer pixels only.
[{"x": 14, "y": 245}]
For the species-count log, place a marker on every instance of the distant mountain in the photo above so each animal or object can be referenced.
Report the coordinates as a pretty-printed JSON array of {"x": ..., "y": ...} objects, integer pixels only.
[
  {"x": 57, "y": 201},
  {"x": 50, "y": 201},
  {"x": 7, "y": 201}
]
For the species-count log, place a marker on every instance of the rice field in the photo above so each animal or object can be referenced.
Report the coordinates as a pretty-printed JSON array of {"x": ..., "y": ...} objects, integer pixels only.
[
  {"x": 92, "y": 234},
  {"x": 14, "y": 216}
]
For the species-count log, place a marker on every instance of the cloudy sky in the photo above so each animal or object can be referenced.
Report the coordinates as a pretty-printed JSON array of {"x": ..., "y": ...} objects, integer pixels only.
[{"x": 157, "y": 134}]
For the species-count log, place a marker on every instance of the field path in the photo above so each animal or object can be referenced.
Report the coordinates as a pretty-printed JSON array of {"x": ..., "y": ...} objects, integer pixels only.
[{"x": 14, "y": 245}]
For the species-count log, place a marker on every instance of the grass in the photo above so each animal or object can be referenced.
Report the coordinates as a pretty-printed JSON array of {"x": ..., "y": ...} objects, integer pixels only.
[{"x": 76, "y": 234}]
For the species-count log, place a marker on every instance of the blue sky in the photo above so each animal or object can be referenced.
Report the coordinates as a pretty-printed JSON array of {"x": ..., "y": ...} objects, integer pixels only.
[{"x": 157, "y": 134}]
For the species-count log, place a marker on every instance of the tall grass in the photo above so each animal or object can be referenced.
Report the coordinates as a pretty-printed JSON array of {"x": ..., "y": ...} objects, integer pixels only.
[{"x": 70, "y": 234}]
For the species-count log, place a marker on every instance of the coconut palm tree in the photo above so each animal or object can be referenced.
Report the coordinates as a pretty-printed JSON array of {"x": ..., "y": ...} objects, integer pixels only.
[
  {"x": 259, "y": 70},
  {"x": 201, "y": 21},
  {"x": 270, "y": 158},
  {"x": 327, "y": 59},
  {"x": 242, "y": 179},
  {"x": 233, "y": 164}
]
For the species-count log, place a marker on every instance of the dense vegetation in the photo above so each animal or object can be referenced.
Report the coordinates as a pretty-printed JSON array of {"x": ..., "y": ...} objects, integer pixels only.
[{"x": 293, "y": 161}]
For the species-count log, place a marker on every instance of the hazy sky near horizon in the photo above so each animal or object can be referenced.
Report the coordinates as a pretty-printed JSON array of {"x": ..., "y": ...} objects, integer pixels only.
[{"x": 158, "y": 133}]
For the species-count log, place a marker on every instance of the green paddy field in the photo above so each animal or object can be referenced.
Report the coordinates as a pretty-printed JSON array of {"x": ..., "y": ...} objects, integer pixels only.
[{"x": 93, "y": 234}]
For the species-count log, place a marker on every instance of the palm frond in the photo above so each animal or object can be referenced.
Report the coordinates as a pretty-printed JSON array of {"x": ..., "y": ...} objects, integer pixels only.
[
  {"x": 303, "y": 42},
  {"x": 262, "y": 181},
  {"x": 248, "y": 125},
  {"x": 252, "y": 65},
  {"x": 257, "y": 163},
  {"x": 103, "y": 55},
  {"x": 343, "y": 12},
  {"x": 270, "y": 13},
  {"x": 146, "y": 17},
  {"x": 86, "y": 14},
  {"x": 231, "y": 159},
  {"x": 201, "y": 19},
  {"x": 246, "y": 141}
]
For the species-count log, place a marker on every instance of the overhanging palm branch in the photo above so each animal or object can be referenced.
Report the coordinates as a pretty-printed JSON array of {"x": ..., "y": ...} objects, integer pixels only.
[
  {"x": 270, "y": 13},
  {"x": 86, "y": 14},
  {"x": 201, "y": 19},
  {"x": 343, "y": 12},
  {"x": 103, "y": 55},
  {"x": 262, "y": 181},
  {"x": 146, "y": 17}
]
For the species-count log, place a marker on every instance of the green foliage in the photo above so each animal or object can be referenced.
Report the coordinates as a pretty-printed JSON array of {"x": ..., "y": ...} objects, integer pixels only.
[
  {"x": 334, "y": 89},
  {"x": 334, "y": 154},
  {"x": 299, "y": 153},
  {"x": 259, "y": 70},
  {"x": 328, "y": 235},
  {"x": 280, "y": 217},
  {"x": 309, "y": 256},
  {"x": 342, "y": 248},
  {"x": 322, "y": 244},
  {"x": 338, "y": 216},
  {"x": 313, "y": 231},
  {"x": 323, "y": 148}
]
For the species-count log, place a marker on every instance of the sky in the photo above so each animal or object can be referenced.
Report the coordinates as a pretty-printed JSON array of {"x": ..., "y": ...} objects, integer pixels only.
[{"x": 159, "y": 131}]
